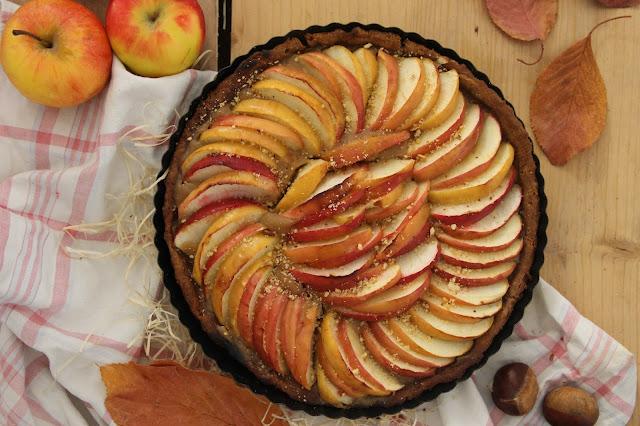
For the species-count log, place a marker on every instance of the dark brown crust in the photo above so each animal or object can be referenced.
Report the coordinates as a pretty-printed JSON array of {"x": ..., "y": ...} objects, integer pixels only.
[{"x": 512, "y": 129}]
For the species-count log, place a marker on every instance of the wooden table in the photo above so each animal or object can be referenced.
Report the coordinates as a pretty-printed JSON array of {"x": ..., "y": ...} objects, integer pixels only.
[{"x": 593, "y": 253}]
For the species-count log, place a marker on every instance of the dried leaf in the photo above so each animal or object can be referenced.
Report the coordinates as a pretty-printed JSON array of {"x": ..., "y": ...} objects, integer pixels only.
[
  {"x": 167, "y": 393},
  {"x": 569, "y": 103},
  {"x": 524, "y": 19}
]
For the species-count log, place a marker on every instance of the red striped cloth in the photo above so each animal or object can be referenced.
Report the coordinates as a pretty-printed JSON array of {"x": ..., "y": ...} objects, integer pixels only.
[{"x": 61, "y": 317}]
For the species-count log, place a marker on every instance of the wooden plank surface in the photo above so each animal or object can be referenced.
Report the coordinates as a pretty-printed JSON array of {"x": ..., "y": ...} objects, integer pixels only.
[{"x": 593, "y": 254}]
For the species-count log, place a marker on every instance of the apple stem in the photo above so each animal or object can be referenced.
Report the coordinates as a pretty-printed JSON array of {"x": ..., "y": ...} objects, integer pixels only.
[{"x": 45, "y": 43}]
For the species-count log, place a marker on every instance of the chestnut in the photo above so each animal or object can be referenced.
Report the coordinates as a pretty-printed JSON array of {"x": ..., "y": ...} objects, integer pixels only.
[
  {"x": 515, "y": 389},
  {"x": 569, "y": 406}
]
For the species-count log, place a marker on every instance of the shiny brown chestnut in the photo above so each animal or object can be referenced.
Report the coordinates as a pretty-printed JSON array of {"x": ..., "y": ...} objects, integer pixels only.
[
  {"x": 569, "y": 406},
  {"x": 515, "y": 389}
]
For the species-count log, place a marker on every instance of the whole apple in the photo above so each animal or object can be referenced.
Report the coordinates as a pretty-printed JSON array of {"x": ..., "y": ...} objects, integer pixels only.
[
  {"x": 154, "y": 38},
  {"x": 56, "y": 52}
]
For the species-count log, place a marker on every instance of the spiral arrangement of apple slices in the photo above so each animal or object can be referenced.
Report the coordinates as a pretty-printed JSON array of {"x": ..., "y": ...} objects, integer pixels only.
[{"x": 353, "y": 219}]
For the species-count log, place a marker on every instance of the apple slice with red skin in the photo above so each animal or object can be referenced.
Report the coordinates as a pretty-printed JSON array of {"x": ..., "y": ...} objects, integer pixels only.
[
  {"x": 392, "y": 362},
  {"x": 365, "y": 289},
  {"x": 347, "y": 257},
  {"x": 499, "y": 240},
  {"x": 441, "y": 159},
  {"x": 277, "y": 130},
  {"x": 476, "y": 260},
  {"x": 468, "y": 213},
  {"x": 449, "y": 84},
  {"x": 369, "y": 63},
  {"x": 363, "y": 147},
  {"x": 411, "y": 87},
  {"x": 429, "y": 97},
  {"x": 493, "y": 221},
  {"x": 288, "y": 329},
  {"x": 385, "y": 176},
  {"x": 273, "y": 344},
  {"x": 322, "y": 279},
  {"x": 314, "y": 251},
  {"x": 190, "y": 233},
  {"x": 235, "y": 184},
  {"x": 321, "y": 89},
  {"x": 478, "y": 160},
  {"x": 348, "y": 60},
  {"x": 393, "y": 190},
  {"x": 430, "y": 139},
  {"x": 215, "y": 164},
  {"x": 248, "y": 303},
  {"x": 333, "y": 209},
  {"x": 305, "y": 335},
  {"x": 330, "y": 392},
  {"x": 244, "y": 135},
  {"x": 384, "y": 91},
  {"x": 328, "y": 228},
  {"x": 476, "y": 296},
  {"x": 260, "y": 318},
  {"x": 410, "y": 191},
  {"x": 481, "y": 185},
  {"x": 417, "y": 261},
  {"x": 389, "y": 341},
  {"x": 391, "y": 229},
  {"x": 413, "y": 233},
  {"x": 229, "y": 148},
  {"x": 333, "y": 377},
  {"x": 430, "y": 323},
  {"x": 460, "y": 312},
  {"x": 475, "y": 277}
]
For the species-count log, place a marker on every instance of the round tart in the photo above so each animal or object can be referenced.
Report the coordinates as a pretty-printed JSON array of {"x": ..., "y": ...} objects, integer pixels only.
[{"x": 354, "y": 215}]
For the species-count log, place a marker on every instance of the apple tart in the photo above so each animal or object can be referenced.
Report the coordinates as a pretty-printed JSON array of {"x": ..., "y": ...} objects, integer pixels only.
[{"x": 353, "y": 214}]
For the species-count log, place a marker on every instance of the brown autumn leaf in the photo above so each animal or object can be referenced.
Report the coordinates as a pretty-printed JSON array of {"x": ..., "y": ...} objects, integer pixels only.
[
  {"x": 524, "y": 19},
  {"x": 167, "y": 393},
  {"x": 569, "y": 103}
]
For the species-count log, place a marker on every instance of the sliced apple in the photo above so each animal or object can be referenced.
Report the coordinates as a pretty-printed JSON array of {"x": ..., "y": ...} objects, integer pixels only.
[
  {"x": 410, "y": 191},
  {"x": 247, "y": 307},
  {"x": 493, "y": 221},
  {"x": 429, "y": 97},
  {"x": 305, "y": 336},
  {"x": 288, "y": 329},
  {"x": 391, "y": 229},
  {"x": 468, "y": 213},
  {"x": 236, "y": 184},
  {"x": 480, "y": 185},
  {"x": 480, "y": 295},
  {"x": 325, "y": 279},
  {"x": 277, "y": 130},
  {"x": 431, "y": 324},
  {"x": 499, "y": 240},
  {"x": 428, "y": 140},
  {"x": 347, "y": 257},
  {"x": 228, "y": 148},
  {"x": 449, "y": 309},
  {"x": 369, "y": 63},
  {"x": 383, "y": 94},
  {"x": 327, "y": 228},
  {"x": 273, "y": 345},
  {"x": 365, "y": 289},
  {"x": 363, "y": 147},
  {"x": 411, "y": 87},
  {"x": 344, "y": 390},
  {"x": 313, "y": 251},
  {"x": 475, "y": 277},
  {"x": 306, "y": 181},
  {"x": 441, "y": 159},
  {"x": 275, "y": 111},
  {"x": 449, "y": 83},
  {"x": 330, "y": 392},
  {"x": 475, "y": 260},
  {"x": 215, "y": 164},
  {"x": 348, "y": 60},
  {"x": 244, "y": 135},
  {"x": 260, "y": 318},
  {"x": 412, "y": 234},
  {"x": 340, "y": 207},
  {"x": 417, "y": 261},
  {"x": 393, "y": 193}
]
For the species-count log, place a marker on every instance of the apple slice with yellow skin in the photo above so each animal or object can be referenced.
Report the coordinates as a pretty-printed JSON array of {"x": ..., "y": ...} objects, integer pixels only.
[
  {"x": 430, "y": 139},
  {"x": 449, "y": 88},
  {"x": 430, "y": 323},
  {"x": 389, "y": 341},
  {"x": 272, "y": 342},
  {"x": 449, "y": 309},
  {"x": 248, "y": 248},
  {"x": 478, "y": 160},
  {"x": 392, "y": 228},
  {"x": 411, "y": 86},
  {"x": 369, "y": 64},
  {"x": 222, "y": 228},
  {"x": 476, "y": 296},
  {"x": 260, "y": 318},
  {"x": 236, "y": 184},
  {"x": 275, "y": 111},
  {"x": 323, "y": 279},
  {"x": 215, "y": 164},
  {"x": 333, "y": 378},
  {"x": 306, "y": 181},
  {"x": 476, "y": 260},
  {"x": 392, "y": 362},
  {"x": 460, "y": 144},
  {"x": 362, "y": 364},
  {"x": 475, "y": 277},
  {"x": 305, "y": 335},
  {"x": 330, "y": 392},
  {"x": 480, "y": 185},
  {"x": 228, "y": 148},
  {"x": 365, "y": 289},
  {"x": 247, "y": 307},
  {"x": 279, "y": 131},
  {"x": 429, "y": 97},
  {"x": 328, "y": 228},
  {"x": 492, "y": 222},
  {"x": 314, "y": 251},
  {"x": 409, "y": 335},
  {"x": 322, "y": 89},
  {"x": 364, "y": 147},
  {"x": 313, "y": 110},
  {"x": 417, "y": 261},
  {"x": 412, "y": 234},
  {"x": 384, "y": 91},
  {"x": 348, "y": 215},
  {"x": 254, "y": 137},
  {"x": 288, "y": 329},
  {"x": 394, "y": 189},
  {"x": 496, "y": 241},
  {"x": 348, "y": 60},
  {"x": 408, "y": 196}
]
